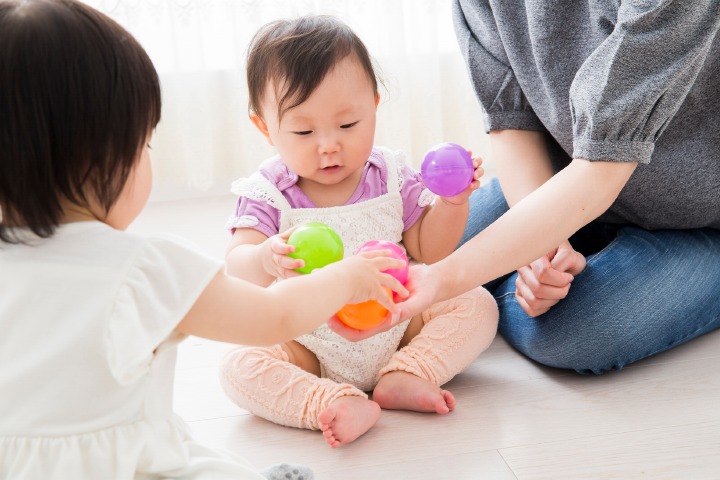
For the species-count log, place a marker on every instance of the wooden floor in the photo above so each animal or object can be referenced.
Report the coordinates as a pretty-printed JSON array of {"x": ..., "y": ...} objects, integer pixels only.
[{"x": 656, "y": 419}]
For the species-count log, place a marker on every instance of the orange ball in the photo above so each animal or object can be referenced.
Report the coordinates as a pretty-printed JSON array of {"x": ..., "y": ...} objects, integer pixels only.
[{"x": 363, "y": 315}]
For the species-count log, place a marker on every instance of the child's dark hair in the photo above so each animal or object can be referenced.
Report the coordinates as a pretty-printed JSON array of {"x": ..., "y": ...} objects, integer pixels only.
[
  {"x": 296, "y": 55},
  {"x": 78, "y": 98}
]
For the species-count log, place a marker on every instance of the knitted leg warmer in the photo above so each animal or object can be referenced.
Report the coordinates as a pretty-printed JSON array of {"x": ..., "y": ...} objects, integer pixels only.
[
  {"x": 455, "y": 332},
  {"x": 264, "y": 382}
]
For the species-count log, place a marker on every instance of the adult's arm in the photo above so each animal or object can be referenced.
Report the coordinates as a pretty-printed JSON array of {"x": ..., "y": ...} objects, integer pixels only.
[
  {"x": 622, "y": 98},
  {"x": 536, "y": 224},
  {"x": 522, "y": 165},
  {"x": 521, "y": 162},
  {"x": 562, "y": 205}
]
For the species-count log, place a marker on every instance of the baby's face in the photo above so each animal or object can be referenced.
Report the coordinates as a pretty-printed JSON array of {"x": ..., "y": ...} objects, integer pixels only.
[{"x": 328, "y": 137}]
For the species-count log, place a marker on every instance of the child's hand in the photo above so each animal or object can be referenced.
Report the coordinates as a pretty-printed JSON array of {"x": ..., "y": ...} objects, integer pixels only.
[
  {"x": 368, "y": 278},
  {"x": 392, "y": 318},
  {"x": 364, "y": 272},
  {"x": 462, "y": 198},
  {"x": 367, "y": 268},
  {"x": 275, "y": 258},
  {"x": 422, "y": 285}
]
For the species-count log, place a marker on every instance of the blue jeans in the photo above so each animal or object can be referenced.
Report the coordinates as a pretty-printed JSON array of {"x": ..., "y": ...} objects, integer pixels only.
[{"x": 641, "y": 293}]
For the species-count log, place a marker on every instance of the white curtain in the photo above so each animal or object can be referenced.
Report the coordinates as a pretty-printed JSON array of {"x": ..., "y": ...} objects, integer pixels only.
[{"x": 205, "y": 139}]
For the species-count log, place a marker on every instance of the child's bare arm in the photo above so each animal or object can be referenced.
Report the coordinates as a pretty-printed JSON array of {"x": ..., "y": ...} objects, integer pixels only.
[
  {"x": 259, "y": 259},
  {"x": 237, "y": 311},
  {"x": 439, "y": 230}
]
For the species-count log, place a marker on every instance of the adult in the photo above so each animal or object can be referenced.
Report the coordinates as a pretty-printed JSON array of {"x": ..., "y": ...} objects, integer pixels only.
[{"x": 604, "y": 124}]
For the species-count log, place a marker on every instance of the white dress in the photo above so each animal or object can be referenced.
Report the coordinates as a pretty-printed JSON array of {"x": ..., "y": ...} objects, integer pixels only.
[{"x": 87, "y": 358}]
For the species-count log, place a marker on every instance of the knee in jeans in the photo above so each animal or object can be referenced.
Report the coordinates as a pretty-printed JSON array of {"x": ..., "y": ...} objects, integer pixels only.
[{"x": 572, "y": 350}]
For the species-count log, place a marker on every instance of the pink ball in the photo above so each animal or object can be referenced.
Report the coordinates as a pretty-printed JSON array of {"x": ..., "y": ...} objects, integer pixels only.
[
  {"x": 397, "y": 252},
  {"x": 447, "y": 169}
]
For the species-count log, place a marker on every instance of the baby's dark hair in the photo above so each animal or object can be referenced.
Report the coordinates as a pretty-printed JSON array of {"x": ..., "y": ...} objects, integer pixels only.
[
  {"x": 78, "y": 98},
  {"x": 296, "y": 55}
]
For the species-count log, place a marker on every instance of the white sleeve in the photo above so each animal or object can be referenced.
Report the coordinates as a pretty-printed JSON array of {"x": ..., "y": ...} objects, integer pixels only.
[{"x": 162, "y": 283}]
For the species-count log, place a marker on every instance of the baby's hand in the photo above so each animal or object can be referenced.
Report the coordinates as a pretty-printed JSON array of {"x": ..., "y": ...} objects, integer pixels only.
[
  {"x": 275, "y": 258},
  {"x": 462, "y": 197}
]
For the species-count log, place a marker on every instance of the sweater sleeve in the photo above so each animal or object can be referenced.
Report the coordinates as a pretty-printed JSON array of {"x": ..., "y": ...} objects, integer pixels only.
[
  {"x": 502, "y": 100},
  {"x": 628, "y": 90}
]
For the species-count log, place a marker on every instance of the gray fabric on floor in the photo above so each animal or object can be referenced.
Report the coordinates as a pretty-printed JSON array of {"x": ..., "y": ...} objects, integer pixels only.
[{"x": 285, "y": 471}]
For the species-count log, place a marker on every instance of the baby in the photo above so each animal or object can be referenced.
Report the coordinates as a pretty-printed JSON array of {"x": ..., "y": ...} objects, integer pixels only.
[{"x": 313, "y": 96}]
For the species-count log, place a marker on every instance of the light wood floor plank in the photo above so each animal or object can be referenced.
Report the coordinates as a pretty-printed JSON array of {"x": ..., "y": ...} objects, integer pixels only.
[
  {"x": 467, "y": 466},
  {"x": 676, "y": 452},
  {"x": 500, "y": 416}
]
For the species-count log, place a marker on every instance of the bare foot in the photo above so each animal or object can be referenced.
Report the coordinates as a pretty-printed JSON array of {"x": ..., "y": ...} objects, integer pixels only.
[
  {"x": 405, "y": 391},
  {"x": 347, "y": 418}
]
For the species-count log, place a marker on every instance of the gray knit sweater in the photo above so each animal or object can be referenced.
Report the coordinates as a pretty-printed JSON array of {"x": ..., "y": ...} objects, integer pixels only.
[{"x": 630, "y": 81}]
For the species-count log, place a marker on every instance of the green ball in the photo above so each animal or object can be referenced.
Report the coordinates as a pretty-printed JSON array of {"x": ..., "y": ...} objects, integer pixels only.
[{"x": 317, "y": 244}]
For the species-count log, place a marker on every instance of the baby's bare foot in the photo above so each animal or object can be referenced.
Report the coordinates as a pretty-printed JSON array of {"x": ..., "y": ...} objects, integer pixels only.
[
  {"x": 347, "y": 418},
  {"x": 405, "y": 391}
]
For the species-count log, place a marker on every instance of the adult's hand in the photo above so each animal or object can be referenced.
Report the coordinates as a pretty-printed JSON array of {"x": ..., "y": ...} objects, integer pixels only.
[
  {"x": 546, "y": 281},
  {"x": 355, "y": 335}
]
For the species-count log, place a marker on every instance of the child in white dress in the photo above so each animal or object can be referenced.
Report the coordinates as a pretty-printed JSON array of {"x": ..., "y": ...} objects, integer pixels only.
[
  {"x": 313, "y": 95},
  {"x": 90, "y": 316}
]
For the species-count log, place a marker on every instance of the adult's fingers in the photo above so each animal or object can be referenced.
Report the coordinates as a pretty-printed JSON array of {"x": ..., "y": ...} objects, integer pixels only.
[{"x": 546, "y": 274}]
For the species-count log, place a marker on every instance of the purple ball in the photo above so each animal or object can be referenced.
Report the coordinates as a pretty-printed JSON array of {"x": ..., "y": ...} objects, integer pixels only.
[{"x": 447, "y": 169}]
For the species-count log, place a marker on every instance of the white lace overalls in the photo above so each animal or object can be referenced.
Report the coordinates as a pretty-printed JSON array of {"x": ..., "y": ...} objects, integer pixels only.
[{"x": 380, "y": 218}]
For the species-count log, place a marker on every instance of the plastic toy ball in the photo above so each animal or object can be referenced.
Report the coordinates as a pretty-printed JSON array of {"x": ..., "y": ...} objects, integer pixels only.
[
  {"x": 362, "y": 316},
  {"x": 317, "y": 244},
  {"x": 397, "y": 252},
  {"x": 447, "y": 169}
]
